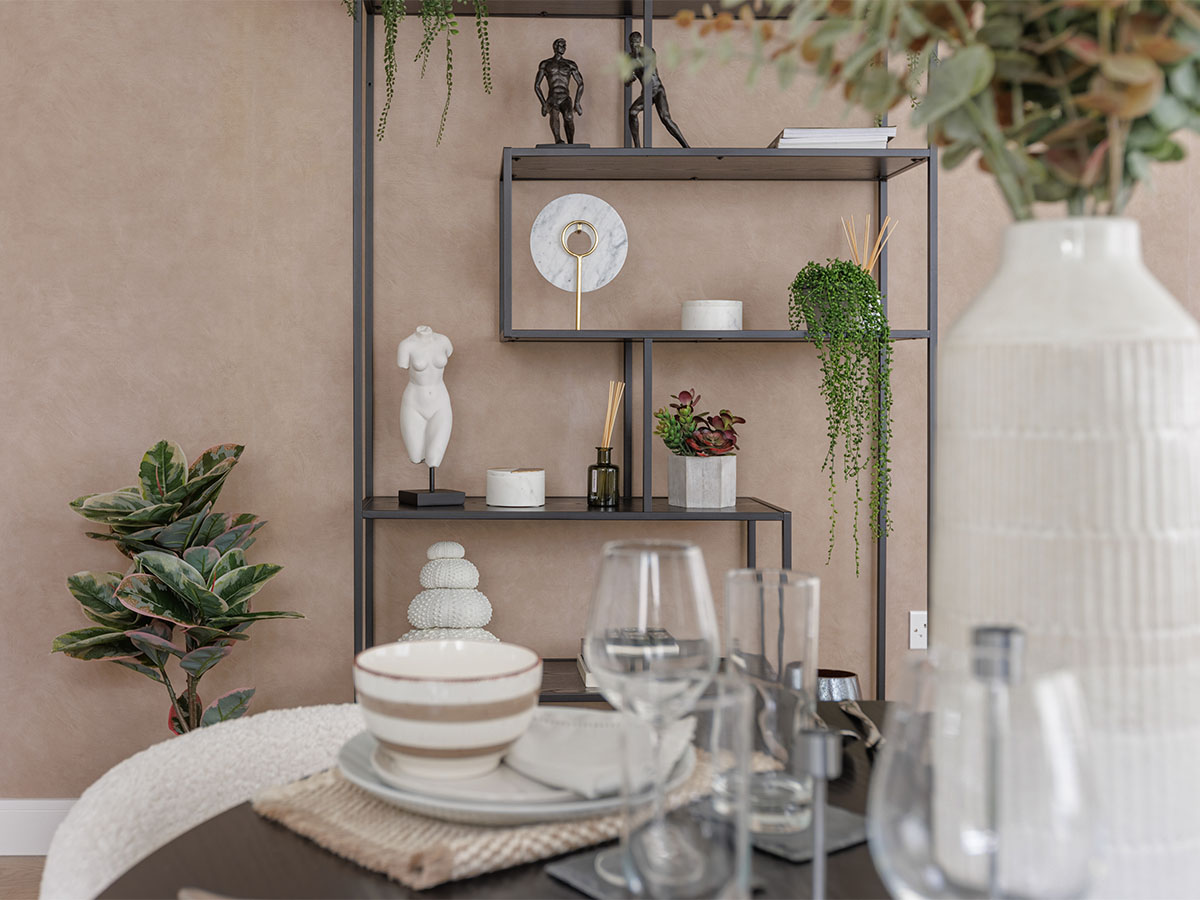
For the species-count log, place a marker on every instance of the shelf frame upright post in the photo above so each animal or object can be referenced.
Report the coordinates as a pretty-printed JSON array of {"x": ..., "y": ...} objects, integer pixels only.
[{"x": 361, "y": 21}]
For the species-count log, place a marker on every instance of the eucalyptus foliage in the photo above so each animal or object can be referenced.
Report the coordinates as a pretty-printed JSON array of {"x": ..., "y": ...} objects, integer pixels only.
[
  {"x": 841, "y": 306},
  {"x": 186, "y": 594},
  {"x": 438, "y": 19},
  {"x": 1063, "y": 100}
]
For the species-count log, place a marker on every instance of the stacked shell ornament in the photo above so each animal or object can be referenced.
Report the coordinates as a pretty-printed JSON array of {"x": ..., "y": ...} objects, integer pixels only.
[{"x": 450, "y": 607}]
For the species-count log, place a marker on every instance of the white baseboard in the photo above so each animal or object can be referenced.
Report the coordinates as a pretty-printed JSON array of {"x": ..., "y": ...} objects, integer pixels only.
[{"x": 26, "y": 825}]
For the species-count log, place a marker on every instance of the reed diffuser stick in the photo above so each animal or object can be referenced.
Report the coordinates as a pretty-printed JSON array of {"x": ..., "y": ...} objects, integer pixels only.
[{"x": 616, "y": 390}]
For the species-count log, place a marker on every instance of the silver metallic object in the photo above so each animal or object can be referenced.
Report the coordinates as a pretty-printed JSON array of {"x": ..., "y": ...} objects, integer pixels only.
[
  {"x": 837, "y": 684},
  {"x": 819, "y": 753}
]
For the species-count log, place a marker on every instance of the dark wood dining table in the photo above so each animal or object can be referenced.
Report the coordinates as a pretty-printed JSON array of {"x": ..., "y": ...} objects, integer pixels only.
[{"x": 239, "y": 854}]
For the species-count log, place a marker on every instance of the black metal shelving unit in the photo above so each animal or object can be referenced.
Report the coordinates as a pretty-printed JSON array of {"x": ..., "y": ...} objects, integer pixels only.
[{"x": 615, "y": 164}]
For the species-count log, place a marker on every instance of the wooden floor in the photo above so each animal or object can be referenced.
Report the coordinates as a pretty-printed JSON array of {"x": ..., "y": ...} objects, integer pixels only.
[{"x": 20, "y": 877}]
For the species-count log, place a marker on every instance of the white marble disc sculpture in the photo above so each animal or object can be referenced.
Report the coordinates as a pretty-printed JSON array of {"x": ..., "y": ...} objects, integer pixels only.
[
  {"x": 556, "y": 265},
  {"x": 449, "y": 608}
]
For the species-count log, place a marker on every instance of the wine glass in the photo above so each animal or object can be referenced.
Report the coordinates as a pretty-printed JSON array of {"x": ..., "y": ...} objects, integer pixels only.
[
  {"x": 983, "y": 786},
  {"x": 652, "y": 643}
]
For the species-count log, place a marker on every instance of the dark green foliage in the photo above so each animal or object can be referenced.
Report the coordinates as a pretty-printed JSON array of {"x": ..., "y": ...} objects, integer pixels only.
[
  {"x": 842, "y": 308},
  {"x": 189, "y": 573},
  {"x": 437, "y": 18}
]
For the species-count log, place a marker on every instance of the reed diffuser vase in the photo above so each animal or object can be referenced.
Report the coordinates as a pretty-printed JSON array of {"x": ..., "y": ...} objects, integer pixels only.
[{"x": 603, "y": 478}]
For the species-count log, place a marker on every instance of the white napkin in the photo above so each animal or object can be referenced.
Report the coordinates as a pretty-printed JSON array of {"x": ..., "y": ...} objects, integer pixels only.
[{"x": 580, "y": 749}]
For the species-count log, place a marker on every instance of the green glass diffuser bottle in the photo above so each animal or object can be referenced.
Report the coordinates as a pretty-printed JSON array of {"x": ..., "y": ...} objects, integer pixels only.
[{"x": 603, "y": 478}]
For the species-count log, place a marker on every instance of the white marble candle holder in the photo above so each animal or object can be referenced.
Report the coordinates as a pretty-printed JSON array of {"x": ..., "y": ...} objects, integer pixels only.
[
  {"x": 516, "y": 487},
  {"x": 711, "y": 315}
]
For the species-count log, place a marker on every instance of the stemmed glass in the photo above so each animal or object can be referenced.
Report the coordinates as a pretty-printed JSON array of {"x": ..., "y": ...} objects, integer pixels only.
[
  {"x": 983, "y": 787},
  {"x": 652, "y": 643}
]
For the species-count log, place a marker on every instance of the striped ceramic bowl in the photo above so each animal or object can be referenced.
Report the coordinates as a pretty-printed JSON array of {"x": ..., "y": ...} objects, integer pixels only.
[{"x": 447, "y": 709}]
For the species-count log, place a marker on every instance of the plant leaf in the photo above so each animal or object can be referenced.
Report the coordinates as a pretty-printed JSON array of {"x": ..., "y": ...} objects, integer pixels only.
[
  {"x": 954, "y": 82},
  {"x": 158, "y": 514},
  {"x": 95, "y": 643},
  {"x": 238, "y": 586},
  {"x": 156, "y": 648},
  {"x": 240, "y": 618},
  {"x": 202, "y": 659},
  {"x": 212, "y": 457},
  {"x": 150, "y": 673},
  {"x": 114, "y": 505},
  {"x": 234, "y": 559},
  {"x": 1130, "y": 68},
  {"x": 183, "y": 531},
  {"x": 95, "y": 590},
  {"x": 203, "y": 559},
  {"x": 230, "y": 706},
  {"x": 238, "y": 534},
  {"x": 191, "y": 491},
  {"x": 183, "y": 579},
  {"x": 164, "y": 468},
  {"x": 147, "y": 595},
  {"x": 204, "y": 635}
]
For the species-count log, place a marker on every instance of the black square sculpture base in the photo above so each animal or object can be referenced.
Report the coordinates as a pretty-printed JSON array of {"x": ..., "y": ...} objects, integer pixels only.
[
  {"x": 564, "y": 146},
  {"x": 432, "y": 498}
]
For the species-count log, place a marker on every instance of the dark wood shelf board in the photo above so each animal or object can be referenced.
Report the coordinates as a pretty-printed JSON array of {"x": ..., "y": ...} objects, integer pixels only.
[
  {"x": 572, "y": 9},
  {"x": 747, "y": 509},
  {"x": 733, "y": 337},
  {"x": 562, "y": 683},
  {"x": 711, "y": 164}
]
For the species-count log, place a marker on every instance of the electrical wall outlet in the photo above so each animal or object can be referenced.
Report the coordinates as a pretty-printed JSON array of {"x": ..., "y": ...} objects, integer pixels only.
[{"x": 918, "y": 629}]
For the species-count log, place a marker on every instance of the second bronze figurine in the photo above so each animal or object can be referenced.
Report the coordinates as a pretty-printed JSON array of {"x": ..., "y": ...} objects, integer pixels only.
[{"x": 558, "y": 71}]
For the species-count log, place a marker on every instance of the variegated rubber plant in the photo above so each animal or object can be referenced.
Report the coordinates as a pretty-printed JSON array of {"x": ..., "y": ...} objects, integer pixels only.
[{"x": 186, "y": 594}]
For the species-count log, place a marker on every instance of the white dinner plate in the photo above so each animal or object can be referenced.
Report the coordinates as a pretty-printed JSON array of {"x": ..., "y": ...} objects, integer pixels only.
[
  {"x": 354, "y": 762},
  {"x": 501, "y": 785}
]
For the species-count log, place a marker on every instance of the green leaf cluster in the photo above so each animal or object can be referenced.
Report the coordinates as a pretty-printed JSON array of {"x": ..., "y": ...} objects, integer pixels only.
[
  {"x": 841, "y": 306},
  {"x": 437, "y": 19},
  {"x": 186, "y": 595},
  {"x": 1060, "y": 100}
]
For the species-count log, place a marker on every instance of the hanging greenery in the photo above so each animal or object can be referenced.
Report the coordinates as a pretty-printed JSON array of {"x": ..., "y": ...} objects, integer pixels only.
[
  {"x": 842, "y": 308},
  {"x": 437, "y": 19}
]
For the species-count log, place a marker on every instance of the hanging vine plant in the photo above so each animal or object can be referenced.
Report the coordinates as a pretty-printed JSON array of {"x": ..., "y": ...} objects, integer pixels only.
[
  {"x": 438, "y": 20},
  {"x": 841, "y": 306}
]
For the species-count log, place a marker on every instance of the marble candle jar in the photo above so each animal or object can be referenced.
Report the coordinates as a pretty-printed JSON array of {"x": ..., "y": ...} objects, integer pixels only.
[
  {"x": 711, "y": 315},
  {"x": 516, "y": 487}
]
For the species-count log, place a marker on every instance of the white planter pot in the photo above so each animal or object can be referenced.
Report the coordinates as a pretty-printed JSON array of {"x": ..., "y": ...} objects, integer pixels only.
[
  {"x": 702, "y": 482},
  {"x": 1068, "y": 503},
  {"x": 711, "y": 315}
]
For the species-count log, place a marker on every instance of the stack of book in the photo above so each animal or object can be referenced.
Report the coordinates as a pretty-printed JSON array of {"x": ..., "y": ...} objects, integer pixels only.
[{"x": 834, "y": 138}]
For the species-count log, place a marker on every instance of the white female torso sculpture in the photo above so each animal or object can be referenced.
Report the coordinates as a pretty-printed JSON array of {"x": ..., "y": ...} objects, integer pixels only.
[{"x": 425, "y": 416}]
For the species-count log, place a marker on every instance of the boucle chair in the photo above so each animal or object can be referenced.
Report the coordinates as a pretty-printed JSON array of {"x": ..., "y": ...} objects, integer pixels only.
[{"x": 127, "y": 814}]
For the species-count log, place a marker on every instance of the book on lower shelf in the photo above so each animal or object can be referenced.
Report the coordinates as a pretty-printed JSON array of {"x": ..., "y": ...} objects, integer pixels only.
[
  {"x": 834, "y": 138},
  {"x": 589, "y": 680}
]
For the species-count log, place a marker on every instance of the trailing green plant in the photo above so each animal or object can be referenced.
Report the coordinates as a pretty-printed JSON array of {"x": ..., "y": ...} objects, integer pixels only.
[
  {"x": 1063, "y": 100},
  {"x": 189, "y": 575},
  {"x": 438, "y": 19},
  {"x": 689, "y": 433},
  {"x": 840, "y": 305}
]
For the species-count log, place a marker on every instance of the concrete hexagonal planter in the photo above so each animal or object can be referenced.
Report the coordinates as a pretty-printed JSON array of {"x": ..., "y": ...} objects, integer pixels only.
[{"x": 702, "y": 482}]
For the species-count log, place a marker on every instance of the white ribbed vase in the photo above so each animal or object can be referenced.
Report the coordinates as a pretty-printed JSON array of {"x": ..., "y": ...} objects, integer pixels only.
[{"x": 1068, "y": 502}]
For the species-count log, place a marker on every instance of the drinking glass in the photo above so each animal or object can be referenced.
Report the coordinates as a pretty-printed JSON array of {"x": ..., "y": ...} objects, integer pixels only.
[
  {"x": 693, "y": 850},
  {"x": 771, "y": 618},
  {"x": 652, "y": 643},
  {"x": 983, "y": 787}
]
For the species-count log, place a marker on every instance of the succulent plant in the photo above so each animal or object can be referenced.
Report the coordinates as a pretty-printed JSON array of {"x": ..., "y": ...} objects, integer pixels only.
[
  {"x": 689, "y": 433},
  {"x": 189, "y": 574},
  {"x": 715, "y": 436}
]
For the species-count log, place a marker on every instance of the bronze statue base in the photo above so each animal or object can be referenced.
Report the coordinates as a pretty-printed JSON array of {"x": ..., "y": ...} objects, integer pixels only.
[{"x": 544, "y": 146}]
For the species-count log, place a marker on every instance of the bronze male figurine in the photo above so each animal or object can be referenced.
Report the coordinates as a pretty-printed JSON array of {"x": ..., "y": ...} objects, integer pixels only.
[
  {"x": 645, "y": 69},
  {"x": 558, "y": 73}
]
